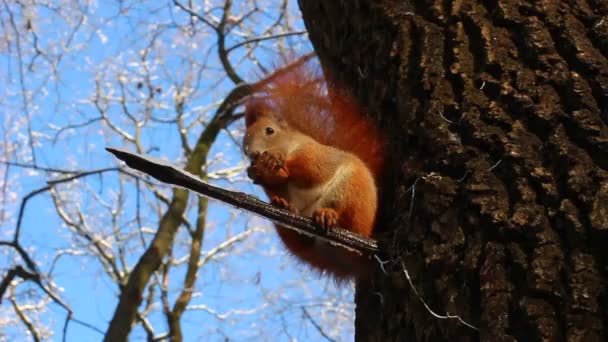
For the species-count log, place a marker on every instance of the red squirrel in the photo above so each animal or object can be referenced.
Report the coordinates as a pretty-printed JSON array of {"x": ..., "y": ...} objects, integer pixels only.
[{"x": 315, "y": 153}]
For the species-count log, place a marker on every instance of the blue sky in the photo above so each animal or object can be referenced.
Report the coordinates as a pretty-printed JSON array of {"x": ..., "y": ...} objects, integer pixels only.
[{"x": 261, "y": 288}]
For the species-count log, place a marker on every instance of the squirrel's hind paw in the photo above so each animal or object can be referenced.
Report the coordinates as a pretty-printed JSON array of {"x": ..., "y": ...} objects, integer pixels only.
[{"x": 325, "y": 217}]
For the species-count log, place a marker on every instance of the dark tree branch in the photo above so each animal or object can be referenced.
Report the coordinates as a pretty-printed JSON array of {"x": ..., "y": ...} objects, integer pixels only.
[
  {"x": 167, "y": 173},
  {"x": 16, "y": 271},
  {"x": 316, "y": 325},
  {"x": 32, "y": 273},
  {"x": 262, "y": 38}
]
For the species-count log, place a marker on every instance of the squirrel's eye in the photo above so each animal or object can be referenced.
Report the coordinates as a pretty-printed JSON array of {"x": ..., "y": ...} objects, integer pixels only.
[{"x": 269, "y": 131}]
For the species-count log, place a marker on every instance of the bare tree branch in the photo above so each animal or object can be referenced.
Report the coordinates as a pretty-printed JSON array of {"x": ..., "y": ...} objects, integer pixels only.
[
  {"x": 167, "y": 173},
  {"x": 316, "y": 325},
  {"x": 175, "y": 329},
  {"x": 226, "y": 244},
  {"x": 26, "y": 320},
  {"x": 16, "y": 271},
  {"x": 262, "y": 38}
]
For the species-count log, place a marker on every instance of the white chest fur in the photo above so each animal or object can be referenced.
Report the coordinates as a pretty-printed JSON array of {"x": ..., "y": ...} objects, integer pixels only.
[{"x": 307, "y": 200}]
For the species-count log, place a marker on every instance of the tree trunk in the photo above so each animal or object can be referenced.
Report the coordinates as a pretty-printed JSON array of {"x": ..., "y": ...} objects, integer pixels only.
[{"x": 496, "y": 194}]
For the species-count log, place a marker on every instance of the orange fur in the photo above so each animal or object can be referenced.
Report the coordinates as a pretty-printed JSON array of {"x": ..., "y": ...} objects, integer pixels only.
[{"x": 323, "y": 160}]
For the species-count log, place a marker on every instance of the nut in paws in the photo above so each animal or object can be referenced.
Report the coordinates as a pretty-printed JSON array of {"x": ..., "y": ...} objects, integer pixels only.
[{"x": 270, "y": 161}]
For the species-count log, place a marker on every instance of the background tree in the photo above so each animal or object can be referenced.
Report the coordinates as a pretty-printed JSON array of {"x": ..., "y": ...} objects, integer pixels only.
[
  {"x": 78, "y": 231},
  {"x": 496, "y": 202}
]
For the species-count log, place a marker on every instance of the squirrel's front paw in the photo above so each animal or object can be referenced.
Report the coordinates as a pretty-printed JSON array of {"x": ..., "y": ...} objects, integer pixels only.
[
  {"x": 281, "y": 202},
  {"x": 325, "y": 217}
]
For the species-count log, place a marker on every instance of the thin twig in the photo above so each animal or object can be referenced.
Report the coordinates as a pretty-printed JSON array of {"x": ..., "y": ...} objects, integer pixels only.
[
  {"x": 428, "y": 308},
  {"x": 316, "y": 325},
  {"x": 262, "y": 38}
]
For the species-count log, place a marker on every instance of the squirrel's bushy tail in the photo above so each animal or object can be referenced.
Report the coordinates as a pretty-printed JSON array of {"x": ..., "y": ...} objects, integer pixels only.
[{"x": 300, "y": 95}]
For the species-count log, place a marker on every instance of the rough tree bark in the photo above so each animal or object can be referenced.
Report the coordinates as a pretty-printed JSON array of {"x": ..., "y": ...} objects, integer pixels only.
[{"x": 496, "y": 197}]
